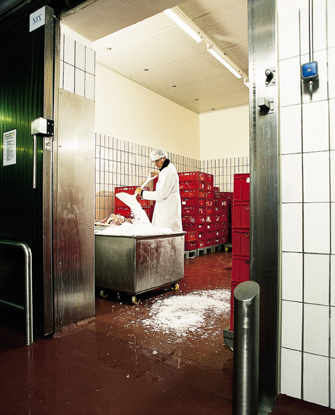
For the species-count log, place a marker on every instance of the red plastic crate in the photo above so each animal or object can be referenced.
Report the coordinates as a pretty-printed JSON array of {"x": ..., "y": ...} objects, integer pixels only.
[
  {"x": 217, "y": 233},
  {"x": 191, "y": 245},
  {"x": 143, "y": 202},
  {"x": 202, "y": 227},
  {"x": 193, "y": 219},
  {"x": 210, "y": 218},
  {"x": 245, "y": 215},
  {"x": 240, "y": 268},
  {"x": 221, "y": 218},
  {"x": 190, "y": 227},
  {"x": 201, "y": 244},
  {"x": 210, "y": 178},
  {"x": 209, "y": 227},
  {"x": 202, "y": 236},
  {"x": 193, "y": 210},
  {"x": 209, "y": 234},
  {"x": 201, "y": 202},
  {"x": 241, "y": 242},
  {"x": 222, "y": 210},
  {"x": 241, "y": 215},
  {"x": 209, "y": 242},
  {"x": 242, "y": 187},
  {"x": 218, "y": 201},
  {"x": 192, "y": 175},
  {"x": 210, "y": 187},
  {"x": 226, "y": 195},
  {"x": 191, "y": 236},
  {"x": 200, "y": 193},
  {"x": 210, "y": 194},
  {"x": 209, "y": 202},
  {"x": 126, "y": 189},
  {"x": 210, "y": 210},
  {"x": 188, "y": 201},
  {"x": 193, "y": 184},
  {"x": 218, "y": 225}
]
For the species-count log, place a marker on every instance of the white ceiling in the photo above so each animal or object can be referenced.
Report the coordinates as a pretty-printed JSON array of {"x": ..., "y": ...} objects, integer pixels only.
[{"x": 137, "y": 40}]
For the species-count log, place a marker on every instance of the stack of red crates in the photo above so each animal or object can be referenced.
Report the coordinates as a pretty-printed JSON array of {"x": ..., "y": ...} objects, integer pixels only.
[
  {"x": 222, "y": 209},
  {"x": 124, "y": 210},
  {"x": 198, "y": 216},
  {"x": 240, "y": 235}
]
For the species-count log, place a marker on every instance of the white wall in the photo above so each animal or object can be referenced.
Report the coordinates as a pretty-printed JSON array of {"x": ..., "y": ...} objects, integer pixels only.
[
  {"x": 131, "y": 112},
  {"x": 307, "y": 142},
  {"x": 224, "y": 133}
]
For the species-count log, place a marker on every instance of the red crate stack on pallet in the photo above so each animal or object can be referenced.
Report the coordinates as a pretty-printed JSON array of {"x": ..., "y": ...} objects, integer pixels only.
[
  {"x": 193, "y": 206},
  {"x": 222, "y": 209},
  {"x": 240, "y": 235},
  {"x": 198, "y": 216},
  {"x": 124, "y": 210}
]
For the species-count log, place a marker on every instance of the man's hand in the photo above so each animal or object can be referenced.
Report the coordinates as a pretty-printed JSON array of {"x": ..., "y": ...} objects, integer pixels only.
[
  {"x": 138, "y": 191},
  {"x": 154, "y": 173}
]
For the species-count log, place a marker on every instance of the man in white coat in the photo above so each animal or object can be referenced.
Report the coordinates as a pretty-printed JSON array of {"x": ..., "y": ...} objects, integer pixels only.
[{"x": 167, "y": 212}]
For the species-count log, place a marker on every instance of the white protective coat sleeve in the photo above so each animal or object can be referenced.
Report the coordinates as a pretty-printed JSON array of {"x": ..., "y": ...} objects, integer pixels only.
[{"x": 167, "y": 213}]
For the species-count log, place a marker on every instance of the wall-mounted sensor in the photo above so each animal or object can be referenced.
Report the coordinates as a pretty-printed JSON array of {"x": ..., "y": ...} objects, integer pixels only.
[
  {"x": 309, "y": 74},
  {"x": 42, "y": 127}
]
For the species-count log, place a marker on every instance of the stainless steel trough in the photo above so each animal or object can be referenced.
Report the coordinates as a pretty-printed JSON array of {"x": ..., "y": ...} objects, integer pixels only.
[{"x": 137, "y": 264}]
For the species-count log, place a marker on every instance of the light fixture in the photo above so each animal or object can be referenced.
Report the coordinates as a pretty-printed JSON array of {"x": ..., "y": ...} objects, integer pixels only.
[
  {"x": 179, "y": 17},
  {"x": 223, "y": 59},
  {"x": 184, "y": 22},
  {"x": 246, "y": 82}
]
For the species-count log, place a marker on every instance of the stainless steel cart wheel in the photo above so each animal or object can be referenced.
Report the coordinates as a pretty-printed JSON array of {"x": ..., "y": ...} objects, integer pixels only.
[
  {"x": 103, "y": 294},
  {"x": 134, "y": 300},
  {"x": 175, "y": 287}
]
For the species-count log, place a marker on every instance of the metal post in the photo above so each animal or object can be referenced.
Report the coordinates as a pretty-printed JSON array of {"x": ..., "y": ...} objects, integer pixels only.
[
  {"x": 28, "y": 288},
  {"x": 246, "y": 348}
]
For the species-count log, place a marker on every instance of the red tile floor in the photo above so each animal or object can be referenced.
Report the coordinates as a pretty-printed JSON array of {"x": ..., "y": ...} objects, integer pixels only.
[{"x": 112, "y": 364}]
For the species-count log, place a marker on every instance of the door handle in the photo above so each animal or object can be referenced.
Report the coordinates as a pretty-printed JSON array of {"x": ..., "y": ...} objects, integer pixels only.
[{"x": 34, "y": 162}]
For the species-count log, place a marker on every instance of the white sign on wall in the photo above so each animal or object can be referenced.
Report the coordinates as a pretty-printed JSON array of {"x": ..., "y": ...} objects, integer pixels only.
[
  {"x": 37, "y": 19},
  {"x": 9, "y": 148}
]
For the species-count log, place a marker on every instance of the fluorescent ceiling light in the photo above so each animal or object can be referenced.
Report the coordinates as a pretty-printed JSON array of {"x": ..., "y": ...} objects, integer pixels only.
[
  {"x": 180, "y": 22},
  {"x": 224, "y": 62},
  {"x": 246, "y": 82}
]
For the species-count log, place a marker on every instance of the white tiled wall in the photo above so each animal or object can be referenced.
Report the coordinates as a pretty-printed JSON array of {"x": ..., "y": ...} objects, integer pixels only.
[
  {"x": 307, "y": 142},
  {"x": 77, "y": 68}
]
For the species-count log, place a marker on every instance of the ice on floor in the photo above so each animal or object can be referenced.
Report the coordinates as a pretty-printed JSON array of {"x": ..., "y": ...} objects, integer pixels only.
[{"x": 190, "y": 313}]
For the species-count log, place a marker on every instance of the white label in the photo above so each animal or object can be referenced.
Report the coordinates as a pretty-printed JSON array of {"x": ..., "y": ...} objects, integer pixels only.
[
  {"x": 9, "y": 148},
  {"x": 37, "y": 19}
]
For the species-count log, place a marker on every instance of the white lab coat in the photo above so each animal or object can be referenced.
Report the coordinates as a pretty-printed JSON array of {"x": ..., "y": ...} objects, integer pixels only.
[{"x": 167, "y": 212}]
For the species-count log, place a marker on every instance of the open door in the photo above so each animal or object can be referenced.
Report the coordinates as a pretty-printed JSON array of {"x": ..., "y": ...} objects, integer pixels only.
[{"x": 26, "y": 93}]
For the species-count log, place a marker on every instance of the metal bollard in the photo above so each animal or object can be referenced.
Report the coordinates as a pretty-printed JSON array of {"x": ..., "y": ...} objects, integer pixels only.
[{"x": 246, "y": 348}]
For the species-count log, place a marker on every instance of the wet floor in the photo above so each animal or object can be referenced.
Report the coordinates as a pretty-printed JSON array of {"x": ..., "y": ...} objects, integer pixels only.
[{"x": 115, "y": 364}]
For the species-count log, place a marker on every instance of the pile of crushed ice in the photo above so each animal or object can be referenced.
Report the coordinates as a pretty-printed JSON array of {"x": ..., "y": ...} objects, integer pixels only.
[
  {"x": 134, "y": 229},
  {"x": 195, "y": 312}
]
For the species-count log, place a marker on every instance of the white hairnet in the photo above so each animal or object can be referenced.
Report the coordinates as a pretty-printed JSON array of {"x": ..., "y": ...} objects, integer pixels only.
[{"x": 157, "y": 154}]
